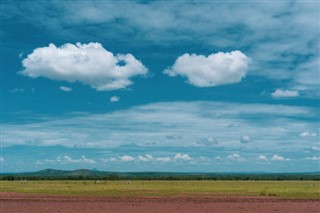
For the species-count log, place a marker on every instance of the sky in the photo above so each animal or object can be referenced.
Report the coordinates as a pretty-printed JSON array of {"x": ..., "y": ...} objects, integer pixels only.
[{"x": 180, "y": 86}]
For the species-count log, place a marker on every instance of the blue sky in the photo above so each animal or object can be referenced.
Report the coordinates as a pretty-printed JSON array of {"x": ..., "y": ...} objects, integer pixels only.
[{"x": 160, "y": 86}]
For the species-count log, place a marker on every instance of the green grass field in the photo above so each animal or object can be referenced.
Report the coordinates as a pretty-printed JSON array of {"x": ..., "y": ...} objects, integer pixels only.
[{"x": 280, "y": 189}]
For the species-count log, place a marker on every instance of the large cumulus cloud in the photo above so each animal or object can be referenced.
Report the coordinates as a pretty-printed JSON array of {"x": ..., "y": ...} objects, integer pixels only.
[{"x": 90, "y": 64}]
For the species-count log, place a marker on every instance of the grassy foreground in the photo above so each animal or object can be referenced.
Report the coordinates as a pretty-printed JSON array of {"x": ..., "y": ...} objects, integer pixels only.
[{"x": 281, "y": 189}]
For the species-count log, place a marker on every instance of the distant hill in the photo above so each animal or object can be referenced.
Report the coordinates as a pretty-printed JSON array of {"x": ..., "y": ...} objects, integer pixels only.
[{"x": 80, "y": 174}]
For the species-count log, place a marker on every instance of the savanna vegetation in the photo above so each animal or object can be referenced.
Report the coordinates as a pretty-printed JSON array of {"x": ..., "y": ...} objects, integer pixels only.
[{"x": 107, "y": 188}]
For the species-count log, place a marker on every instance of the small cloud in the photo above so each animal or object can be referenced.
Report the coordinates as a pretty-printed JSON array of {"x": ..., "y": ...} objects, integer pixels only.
[
  {"x": 126, "y": 158},
  {"x": 66, "y": 89},
  {"x": 316, "y": 158},
  {"x": 279, "y": 93},
  {"x": 114, "y": 99},
  {"x": 315, "y": 148},
  {"x": 16, "y": 90},
  {"x": 208, "y": 141},
  {"x": 204, "y": 158},
  {"x": 20, "y": 55},
  {"x": 234, "y": 157},
  {"x": 245, "y": 139},
  {"x": 113, "y": 159},
  {"x": 184, "y": 157},
  {"x": 104, "y": 160},
  {"x": 173, "y": 137},
  {"x": 86, "y": 160},
  {"x": 39, "y": 162},
  {"x": 279, "y": 158},
  {"x": 213, "y": 70},
  {"x": 212, "y": 140},
  {"x": 218, "y": 158},
  {"x": 307, "y": 134},
  {"x": 263, "y": 93},
  {"x": 107, "y": 160},
  {"x": 68, "y": 160},
  {"x": 1, "y": 159},
  {"x": 145, "y": 158},
  {"x": 262, "y": 158},
  {"x": 164, "y": 159}
]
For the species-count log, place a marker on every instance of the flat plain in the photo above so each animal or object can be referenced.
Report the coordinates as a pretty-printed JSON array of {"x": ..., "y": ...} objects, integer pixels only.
[
  {"x": 278, "y": 189},
  {"x": 160, "y": 196}
]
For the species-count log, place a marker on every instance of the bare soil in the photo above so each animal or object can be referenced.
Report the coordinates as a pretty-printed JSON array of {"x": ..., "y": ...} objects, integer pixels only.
[{"x": 13, "y": 202}]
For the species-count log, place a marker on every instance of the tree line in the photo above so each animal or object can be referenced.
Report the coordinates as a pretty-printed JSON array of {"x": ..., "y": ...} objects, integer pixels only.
[{"x": 276, "y": 177}]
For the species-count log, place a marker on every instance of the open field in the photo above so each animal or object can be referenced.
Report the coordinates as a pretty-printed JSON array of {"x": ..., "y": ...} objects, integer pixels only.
[
  {"x": 160, "y": 196},
  {"x": 276, "y": 189}
]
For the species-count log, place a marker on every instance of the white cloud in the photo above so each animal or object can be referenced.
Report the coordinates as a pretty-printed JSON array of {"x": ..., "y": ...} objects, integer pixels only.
[
  {"x": 280, "y": 37},
  {"x": 274, "y": 126},
  {"x": 279, "y": 93},
  {"x": 307, "y": 134},
  {"x": 214, "y": 70},
  {"x": 66, "y": 89},
  {"x": 316, "y": 148},
  {"x": 148, "y": 157},
  {"x": 89, "y": 64},
  {"x": 262, "y": 158},
  {"x": 279, "y": 158},
  {"x": 208, "y": 141},
  {"x": 204, "y": 158},
  {"x": 316, "y": 158},
  {"x": 16, "y": 90},
  {"x": 1, "y": 159},
  {"x": 234, "y": 157},
  {"x": 65, "y": 159},
  {"x": 113, "y": 159},
  {"x": 107, "y": 160},
  {"x": 163, "y": 159},
  {"x": 212, "y": 140},
  {"x": 184, "y": 157},
  {"x": 114, "y": 99},
  {"x": 245, "y": 139},
  {"x": 126, "y": 158},
  {"x": 83, "y": 159}
]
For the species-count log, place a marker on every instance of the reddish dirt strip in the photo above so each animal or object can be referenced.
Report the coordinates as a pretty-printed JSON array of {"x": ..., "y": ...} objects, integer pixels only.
[{"x": 13, "y": 202}]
